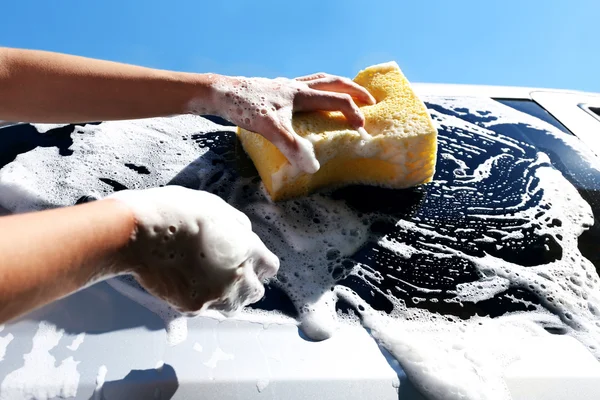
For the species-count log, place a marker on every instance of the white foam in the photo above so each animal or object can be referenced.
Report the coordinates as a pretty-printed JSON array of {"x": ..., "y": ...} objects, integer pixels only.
[
  {"x": 245, "y": 105},
  {"x": 503, "y": 114},
  {"x": 51, "y": 380},
  {"x": 214, "y": 234},
  {"x": 100, "y": 379},
  {"x": 76, "y": 342},
  {"x": 482, "y": 289},
  {"x": 43, "y": 128},
  {"x": 445, "y": 356},
  {"x": 4, "y": 342},
  {"x": 217, "y": 356},
  {"x": 262, "y": 384},
  {"x": 266, "y": 318},
  {"x": 102, "y": 151},
  {"x": 440, "y": 353},
  {"x": 198, "y": 347}
]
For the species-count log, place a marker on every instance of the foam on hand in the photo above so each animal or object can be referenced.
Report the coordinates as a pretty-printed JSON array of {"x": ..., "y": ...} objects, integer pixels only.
[
  {"x": 179, "y": 229},
  {"x": 244, "y": 103}
]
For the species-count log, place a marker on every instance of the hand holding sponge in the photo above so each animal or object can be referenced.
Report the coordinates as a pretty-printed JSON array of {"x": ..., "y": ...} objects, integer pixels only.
[{"x": 399, "y": 150}]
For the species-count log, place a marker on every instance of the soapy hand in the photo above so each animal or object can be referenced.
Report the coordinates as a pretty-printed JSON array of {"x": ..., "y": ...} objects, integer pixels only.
[
  {"x": 194, "y": 250},
  {"x": 265, "y": 106}
]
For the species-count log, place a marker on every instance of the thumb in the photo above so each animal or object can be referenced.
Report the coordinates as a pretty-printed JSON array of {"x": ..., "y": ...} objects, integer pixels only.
[{"x": 299, "y": 151}]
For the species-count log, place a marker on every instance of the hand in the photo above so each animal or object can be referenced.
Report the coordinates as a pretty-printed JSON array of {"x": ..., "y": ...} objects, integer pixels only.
[
  {"x": 265, "y": 106},
  {"x": 194, "y": 250}
]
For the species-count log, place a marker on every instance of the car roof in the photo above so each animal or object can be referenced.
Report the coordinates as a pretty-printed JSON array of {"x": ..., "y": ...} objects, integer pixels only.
[{"x": 509, "y": 92}]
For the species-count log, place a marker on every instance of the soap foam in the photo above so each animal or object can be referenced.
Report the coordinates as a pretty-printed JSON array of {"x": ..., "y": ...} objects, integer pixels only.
[
  {"x": 243, "y": 101},
  {"x": 74, "y": 346},
  {"x": 446, "y": 356},
  {"x": 217, "y": 356},
  {"x": 106, "y": 157},
  {"x": 178, "y": 229},
  {"x": 421, "y": 277},
  {"x": 4, "y": 342},
  {"x": 51, "y": 380},
  {"x": 100, "y": 379}
]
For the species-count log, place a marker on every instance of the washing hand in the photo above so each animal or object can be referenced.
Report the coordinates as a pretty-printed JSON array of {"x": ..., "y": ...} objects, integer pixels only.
[
  {"x": 265, "y": 106},
  {"x": 194, "y": 250}
]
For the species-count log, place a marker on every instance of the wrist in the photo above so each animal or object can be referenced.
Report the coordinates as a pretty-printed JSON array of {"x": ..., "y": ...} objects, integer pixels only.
[
  {"x": 123, "y": 229},
  {"x": 208, "y": 93}
]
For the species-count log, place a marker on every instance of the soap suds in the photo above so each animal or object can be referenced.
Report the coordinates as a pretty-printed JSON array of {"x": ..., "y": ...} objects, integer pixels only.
[
  {"x": 217, "y": 356},
  {"x": 41, "y": 377},
  {"x": 4, "y": 342},
  {"x": 198, "y": 347},
  {"x": 43, "y": 128},
  {"x": 179, "y": 229},
  {"x": 510, "y": 198},
  {"x": 100, "y": 379},
  {"x": 262, "y": 385},
  {"x": 495, "y": 234},
  {"x": 97, "y": 165},
  {"x": 245, "y": 105},
  {"x": 76, "y": 342}
]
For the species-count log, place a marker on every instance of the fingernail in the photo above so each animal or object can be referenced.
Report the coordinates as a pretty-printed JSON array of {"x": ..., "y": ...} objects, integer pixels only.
[{"x": 372, "y": 99}]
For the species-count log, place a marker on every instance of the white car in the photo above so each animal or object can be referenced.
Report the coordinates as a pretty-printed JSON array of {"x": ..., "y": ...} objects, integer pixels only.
[{"x": 114, "y": 341}]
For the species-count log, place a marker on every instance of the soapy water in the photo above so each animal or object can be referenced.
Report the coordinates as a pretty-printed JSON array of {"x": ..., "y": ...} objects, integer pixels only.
[
  {"x": 450, "y": 277},
  {"x": 495, "y": 235}
]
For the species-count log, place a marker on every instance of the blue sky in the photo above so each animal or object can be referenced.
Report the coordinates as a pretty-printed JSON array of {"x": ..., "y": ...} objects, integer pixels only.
[{"x": 509, "y": 42}]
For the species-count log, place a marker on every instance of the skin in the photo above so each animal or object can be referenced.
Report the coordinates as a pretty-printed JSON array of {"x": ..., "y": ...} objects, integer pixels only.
[{"x": 104, "y": 237}]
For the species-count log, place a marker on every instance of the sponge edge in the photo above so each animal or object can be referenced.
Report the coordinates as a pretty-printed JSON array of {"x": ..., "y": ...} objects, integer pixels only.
[{"x": 399, "y": 152}]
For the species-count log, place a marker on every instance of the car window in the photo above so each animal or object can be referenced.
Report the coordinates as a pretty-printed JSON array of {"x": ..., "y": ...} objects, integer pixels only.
[{"x": 532, "y": 108}]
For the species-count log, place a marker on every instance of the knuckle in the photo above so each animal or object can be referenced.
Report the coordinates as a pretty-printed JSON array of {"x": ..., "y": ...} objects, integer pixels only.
[{"x": 346, "y": 98}]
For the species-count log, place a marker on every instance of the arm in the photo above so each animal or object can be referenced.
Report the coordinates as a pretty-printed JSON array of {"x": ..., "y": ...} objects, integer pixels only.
[
  {"x": 38, "y": 86},
  {"x": 50, "y": 254},
  {"x": 166, "y": 237}
]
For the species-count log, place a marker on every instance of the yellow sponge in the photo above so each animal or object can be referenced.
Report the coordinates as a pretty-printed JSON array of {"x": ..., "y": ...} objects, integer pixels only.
[{"x": 400, "y": 151}]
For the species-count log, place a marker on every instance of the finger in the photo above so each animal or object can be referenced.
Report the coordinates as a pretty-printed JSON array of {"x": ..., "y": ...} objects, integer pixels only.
[
  {"x": 246, "y": 290},
  {"x": 304, "y": 151},
  {"x": 266, "y": 263},
  {"x": 311, "y": 77},
  {"x": 297, "y": 150},
  {"x": 243, "y": 219},
  {"x": 313, "y": 100},
  {"x": 342, "y": 85},
  {"x": 250, "y": 290}
]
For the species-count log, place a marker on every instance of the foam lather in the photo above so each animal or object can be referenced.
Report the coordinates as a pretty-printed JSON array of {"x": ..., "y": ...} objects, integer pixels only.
[{"x": 398, "y": 151}]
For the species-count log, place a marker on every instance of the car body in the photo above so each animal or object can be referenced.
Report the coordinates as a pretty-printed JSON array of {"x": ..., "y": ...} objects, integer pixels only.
[{"x": 110, "y": 342}]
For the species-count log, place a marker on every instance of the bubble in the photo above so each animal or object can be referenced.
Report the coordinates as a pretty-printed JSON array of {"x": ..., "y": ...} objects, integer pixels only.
[{"x": 415, "y": 255}]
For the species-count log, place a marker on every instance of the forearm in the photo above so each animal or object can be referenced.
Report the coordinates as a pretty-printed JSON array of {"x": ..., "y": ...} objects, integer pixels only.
[
  {"x": 48, "y": 255},
  {"x": 38, "y": 86}
]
